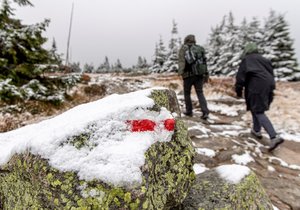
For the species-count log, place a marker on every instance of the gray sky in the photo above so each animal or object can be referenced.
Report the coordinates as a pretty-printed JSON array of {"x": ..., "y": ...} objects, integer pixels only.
[{"x": 126, "y": 29}]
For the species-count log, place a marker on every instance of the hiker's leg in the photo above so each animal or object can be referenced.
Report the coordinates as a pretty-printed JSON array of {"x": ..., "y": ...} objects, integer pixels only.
[
  {"x": 198, "y": 83},
  {"x": 187, "y": 86},
  {"x": 266, "y": 124},
  {"x": 256, "y": 123}
]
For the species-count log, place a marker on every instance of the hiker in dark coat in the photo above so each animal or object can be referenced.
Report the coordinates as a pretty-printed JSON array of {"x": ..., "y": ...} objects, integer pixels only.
[
  {"x": 193, "y": 69},
  {"x": 256, "y": 77}
]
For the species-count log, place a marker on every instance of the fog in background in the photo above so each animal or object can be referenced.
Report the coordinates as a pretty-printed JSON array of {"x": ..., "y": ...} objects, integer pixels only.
[{"x": 126, "y": 29}]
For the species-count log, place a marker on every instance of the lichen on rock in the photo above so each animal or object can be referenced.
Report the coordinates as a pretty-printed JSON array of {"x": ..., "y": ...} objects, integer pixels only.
[
  {"x": 166, "y": 98},
  {"x": 168, "y": 171},
  {"x": 211, "y": 191}
]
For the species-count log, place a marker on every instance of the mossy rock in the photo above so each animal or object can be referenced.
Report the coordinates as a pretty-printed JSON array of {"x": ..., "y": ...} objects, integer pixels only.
[
  {"x": 28, "y": 181},
  {"x": 211, "y": 191}
]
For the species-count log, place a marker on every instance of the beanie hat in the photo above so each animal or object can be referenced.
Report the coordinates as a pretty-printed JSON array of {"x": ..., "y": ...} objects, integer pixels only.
[
  {"x": 190, "y": 39},
  {"x": 250, "y": 48}
]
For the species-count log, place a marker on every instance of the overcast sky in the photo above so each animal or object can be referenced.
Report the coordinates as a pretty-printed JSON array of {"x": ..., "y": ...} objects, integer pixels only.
[{"x": 126, "y": 29}]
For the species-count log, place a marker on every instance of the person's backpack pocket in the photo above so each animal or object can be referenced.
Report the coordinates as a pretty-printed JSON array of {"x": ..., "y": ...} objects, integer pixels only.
[{"x": 190, "y": 57}]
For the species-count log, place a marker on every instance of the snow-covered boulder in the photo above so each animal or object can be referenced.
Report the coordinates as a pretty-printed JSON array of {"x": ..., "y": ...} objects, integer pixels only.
[
  {"x": 227, "y": 187},
  {"x": 128, "y": 151}
]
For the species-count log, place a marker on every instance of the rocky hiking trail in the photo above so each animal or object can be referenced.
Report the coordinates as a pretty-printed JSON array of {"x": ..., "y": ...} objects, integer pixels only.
[
  {"x": 224, "y": 139},
  {"x": 221, "y": 139}
]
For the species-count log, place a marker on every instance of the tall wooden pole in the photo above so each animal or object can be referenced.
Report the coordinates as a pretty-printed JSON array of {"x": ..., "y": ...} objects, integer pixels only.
[{"x": 69, "y": 36}]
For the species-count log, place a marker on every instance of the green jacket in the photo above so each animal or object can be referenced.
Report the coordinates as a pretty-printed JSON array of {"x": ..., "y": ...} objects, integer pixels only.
[{"x": 200, "y": 67}]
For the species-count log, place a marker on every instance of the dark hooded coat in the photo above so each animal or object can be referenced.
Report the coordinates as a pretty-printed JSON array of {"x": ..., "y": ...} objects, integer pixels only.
[{"x": 256, "y": 77}]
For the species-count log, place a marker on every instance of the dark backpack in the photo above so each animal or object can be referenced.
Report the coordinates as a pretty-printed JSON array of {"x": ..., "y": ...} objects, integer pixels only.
[
  {"x": 194, "y": 56},
  {"x": 190, "y": 56}
]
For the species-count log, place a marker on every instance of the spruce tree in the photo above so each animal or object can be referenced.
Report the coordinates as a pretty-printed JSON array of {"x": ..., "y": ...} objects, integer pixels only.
[
  {"x": 140, "y": 63},
  {"x": 118, "y": 66},
  {"x": 106, "y": 64},
  {"x": 53, "y": 53},
  {"x": 278, "y": 47},
  {"x": 231, "y": 51},
  {"x": 224, "y": 48},
  {"x": 250, "y": 33},
  {"x": 23, "y": 2},
  {"x": 159, "y": 57},
  {"x": 75, "y": 67},
  {"x": 145, "y": 63},
  {"x": 88, "y": 68},
  {"x": 215, "y": 42},
  {"x": 170, "y": 65},
  {"x": 21, "y": 46},
  {"x": 226, "y": 43},
  {"x": 255, "y": 32}
]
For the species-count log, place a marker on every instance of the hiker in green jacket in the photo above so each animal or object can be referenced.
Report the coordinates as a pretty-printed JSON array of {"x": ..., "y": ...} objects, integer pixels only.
[{"x": 193, "y": 69}]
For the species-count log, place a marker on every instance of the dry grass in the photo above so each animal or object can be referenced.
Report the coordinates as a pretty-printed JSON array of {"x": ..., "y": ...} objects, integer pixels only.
[
  {"x": 95, "y": 90},
  {"x": 85, "y": 79},
  {"x": 221, "y": 85},
  {"x": 215, "y": 85},
  {"x": 285, "y": 111}
]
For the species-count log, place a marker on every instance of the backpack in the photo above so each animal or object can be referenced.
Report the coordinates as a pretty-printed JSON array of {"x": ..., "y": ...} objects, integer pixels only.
[
  {"x": 195, "y": 56},
  {"x": 190, "y": 56}
]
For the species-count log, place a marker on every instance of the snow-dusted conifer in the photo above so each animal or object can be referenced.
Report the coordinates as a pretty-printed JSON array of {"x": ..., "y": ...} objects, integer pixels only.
[
  {"x": 145, "y": 63},
  {"x": 88, "y": 68},
  {"x": 231, "y": 51},
  {"x": 224, "y": 48},
  {"x": 226, "y": 43},
  {"x": 23, "y": 2},
  {"x": 278, "y": 47},
  {"x": 215, "y": 42},
  {"x": 53, "y": 53},
  {"x": 104, "y": 67},
  {"x": 159, "y": 57},
  {"x": 75, "y": 67},
  {"x": 172, "y": 56},
  {"x": 255, "y": 32},
  {"x": 118, "y": 66},
  {"x": 141, "y": 63},
  {"x": 21, "y": 46}
]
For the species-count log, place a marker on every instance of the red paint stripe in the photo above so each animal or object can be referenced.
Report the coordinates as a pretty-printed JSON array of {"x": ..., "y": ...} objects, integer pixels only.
[
  {"x": 169, "y": 124},
  {"x": 142, "y": 125},
  {"x": 149, "y": 125}
]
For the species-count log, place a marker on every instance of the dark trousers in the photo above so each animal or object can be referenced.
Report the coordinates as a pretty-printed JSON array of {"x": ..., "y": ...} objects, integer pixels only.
[
  {"x": 197, "y": 82},
  {"x": 261, "y": 120}
]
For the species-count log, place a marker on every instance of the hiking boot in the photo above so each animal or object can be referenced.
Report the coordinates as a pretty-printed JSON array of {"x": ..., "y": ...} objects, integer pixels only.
[
  {"x": 189, "y": 114},
  {"x": 204, "y": 116},
  {"x": 256, "y": 134},
  {"x": 275, "y": 142}
]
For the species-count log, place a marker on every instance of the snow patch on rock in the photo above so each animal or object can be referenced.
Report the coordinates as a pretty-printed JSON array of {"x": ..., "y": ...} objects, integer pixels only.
[{"x": 233, "y": 173}]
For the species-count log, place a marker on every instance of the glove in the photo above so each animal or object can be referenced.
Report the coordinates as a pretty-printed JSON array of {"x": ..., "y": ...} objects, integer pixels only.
[{"x": 239, "y": 91}]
